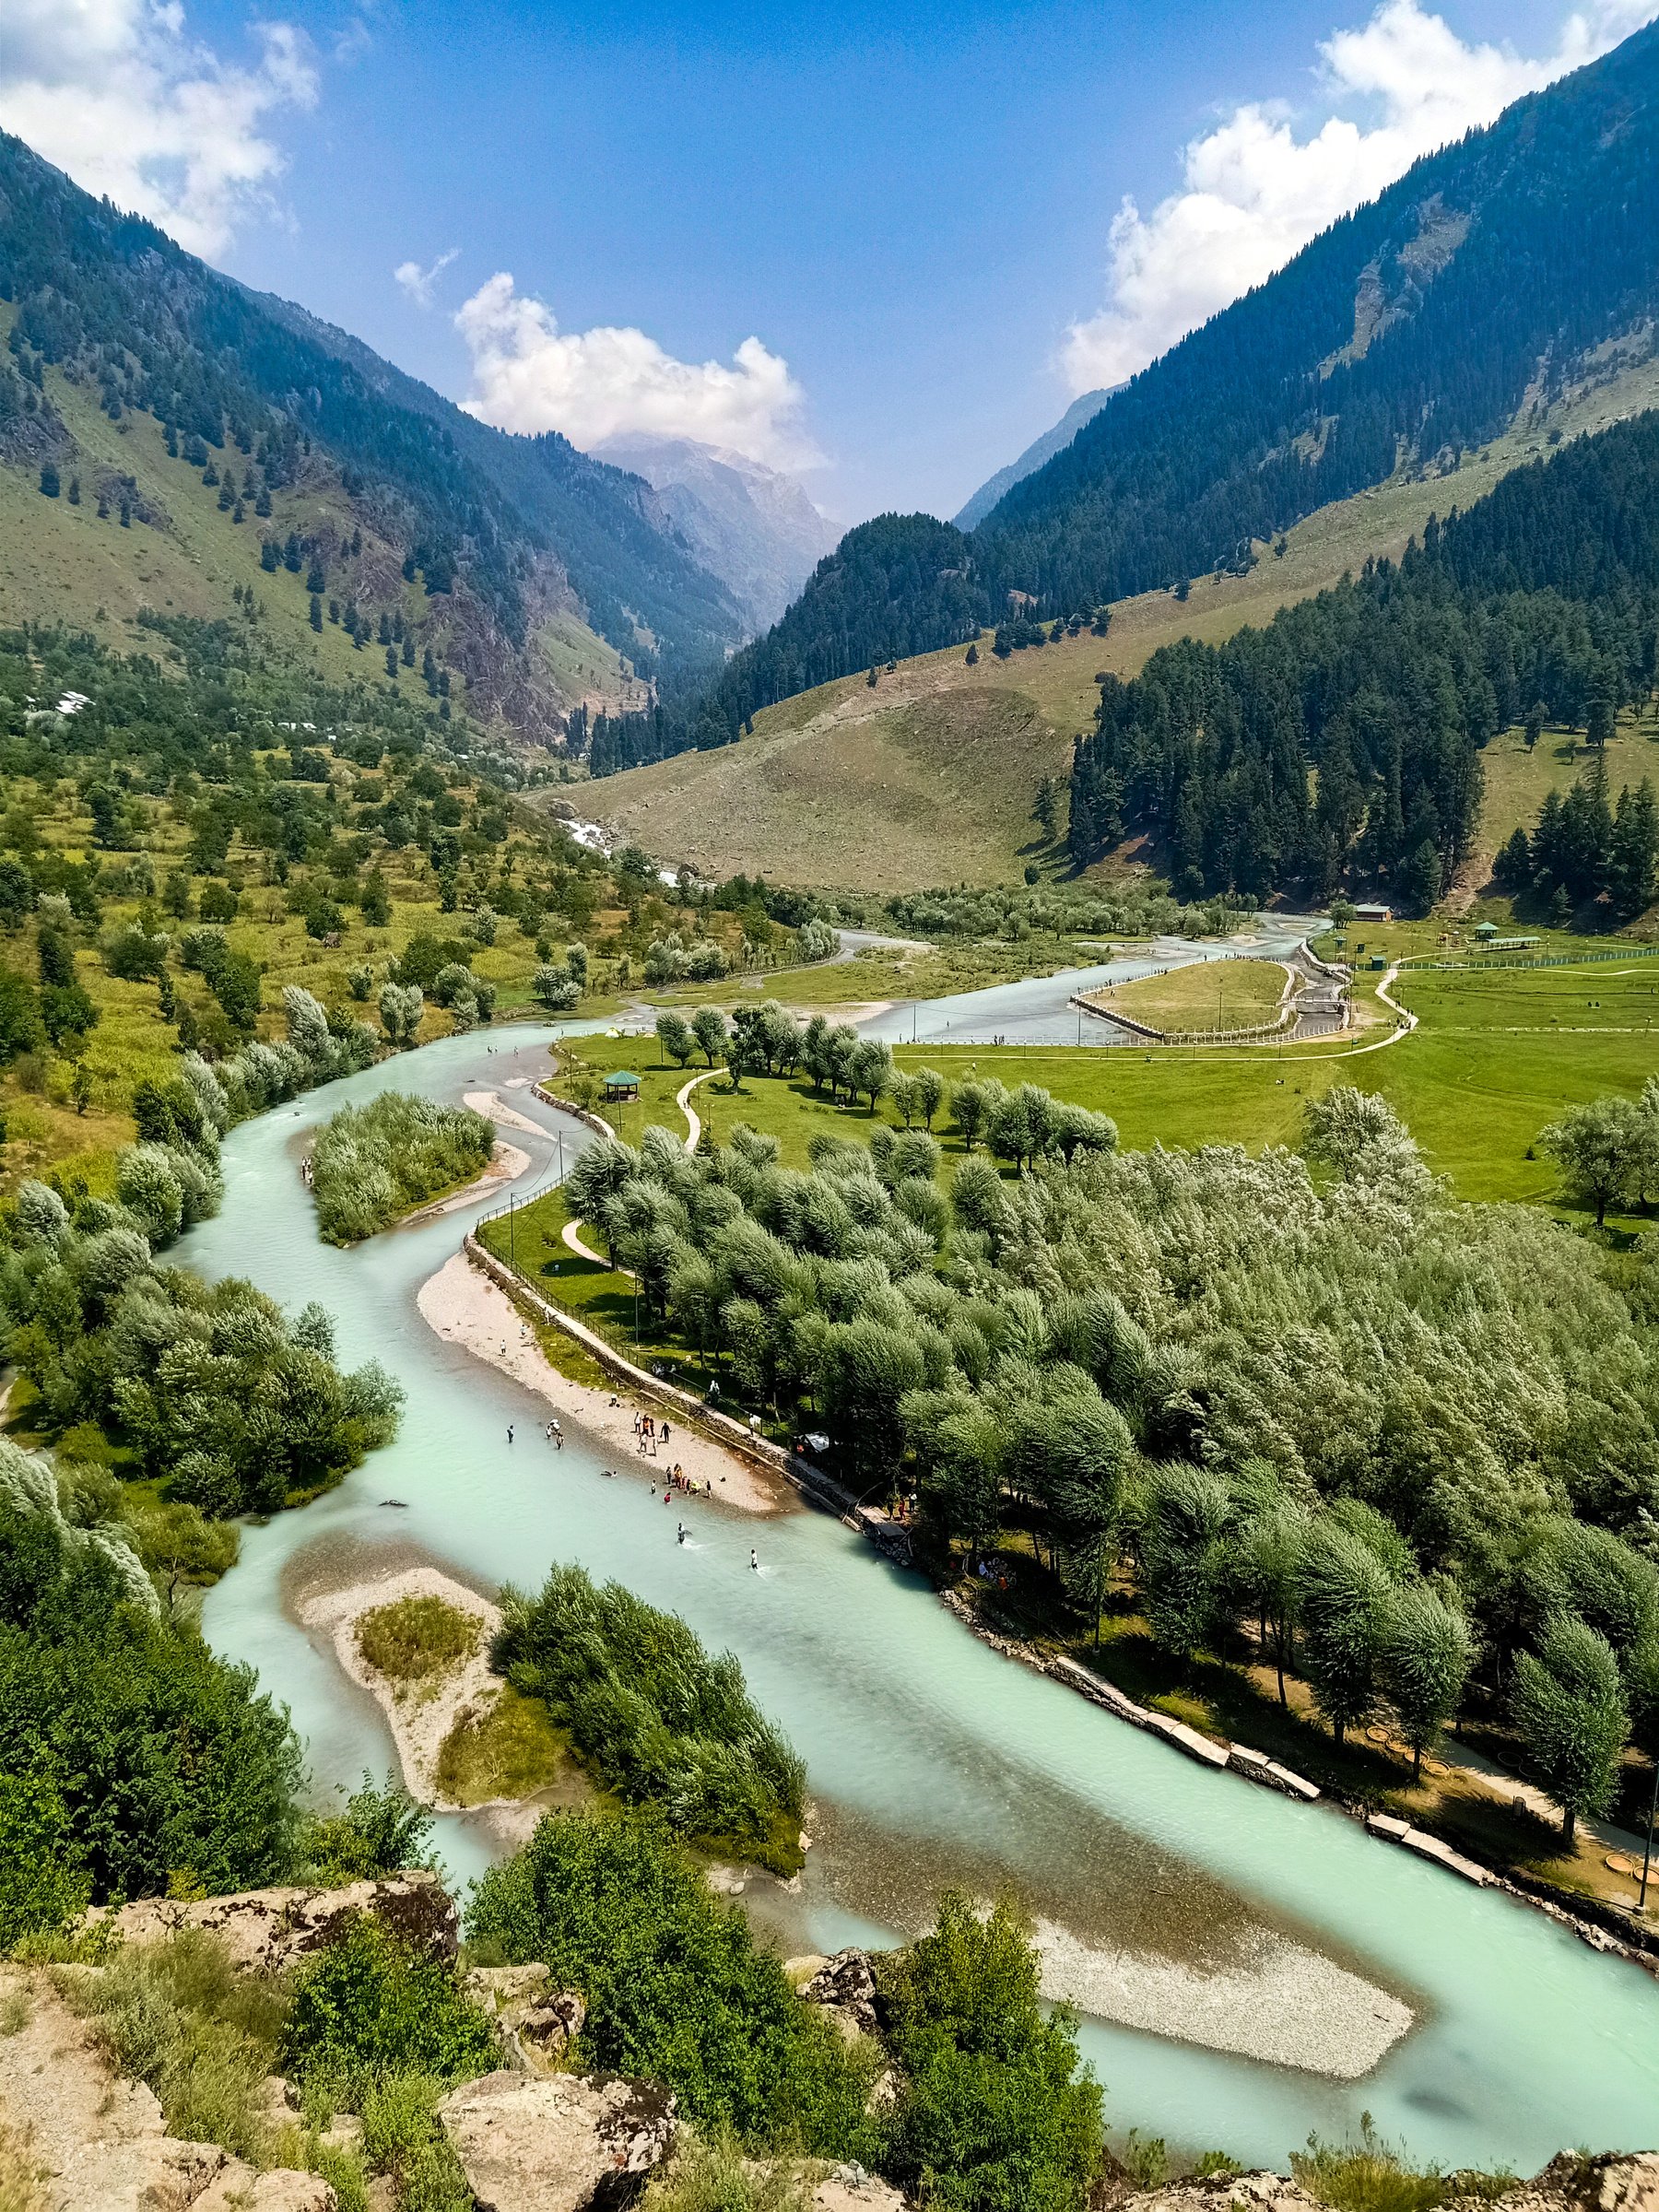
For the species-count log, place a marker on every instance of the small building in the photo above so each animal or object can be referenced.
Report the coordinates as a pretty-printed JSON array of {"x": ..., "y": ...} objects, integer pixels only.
[
  {"x": 620, "y": 1087},
  {"x": 1369, "y": 911},
  {"x": 1486, "y": 931}
]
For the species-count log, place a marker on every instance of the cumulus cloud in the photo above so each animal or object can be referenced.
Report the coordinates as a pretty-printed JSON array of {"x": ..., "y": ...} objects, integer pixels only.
[
  {"x": 419, "y": 282},
  {"x": 116, "y": 93},
  {"x": 1255, "y": 192},
  {"x": 529, "y": 375}
]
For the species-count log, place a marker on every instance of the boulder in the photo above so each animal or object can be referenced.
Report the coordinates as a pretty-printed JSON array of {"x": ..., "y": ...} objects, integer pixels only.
[
  {"x": 566, "y": 2143},
  {"x": 238, "y": 2188},
  {"x": 851, "y": 2189},
  {"x": 845, "y": 1987},
  {"x": 1574, "y": 2183},
  {"x": 266, "y": 1930},
  {"x": 536, "y": 2023}
]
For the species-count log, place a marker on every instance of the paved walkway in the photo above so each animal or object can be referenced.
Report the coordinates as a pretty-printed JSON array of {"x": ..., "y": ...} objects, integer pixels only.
[{"x": 693, "y": 1118}]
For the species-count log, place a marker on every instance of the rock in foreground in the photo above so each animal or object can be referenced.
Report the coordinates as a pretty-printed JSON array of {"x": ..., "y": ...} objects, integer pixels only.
[
  {"x": 266, "y": 1930},
  {"x": 558, "y": 2144}
]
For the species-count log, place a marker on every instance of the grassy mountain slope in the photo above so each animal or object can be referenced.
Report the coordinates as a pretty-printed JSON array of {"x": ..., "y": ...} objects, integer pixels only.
[
  {"x": 824, "y": 790},
  {"x": 113, "y": 328}
]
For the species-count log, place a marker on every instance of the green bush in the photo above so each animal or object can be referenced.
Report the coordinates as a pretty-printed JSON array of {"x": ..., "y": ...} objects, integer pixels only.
[
  {"x": 169, "y": 1765},
  {"x": 380, "y": 1832},
  {"x": 994, "y": 2115},
  {"x": 371, "y": 2006},
  {"x": 676, "y": 1987},
  {"x": 654, "y": 1716},
  {"x": 374, "y": 1163},
  {"x": 418, "y": 1636}
]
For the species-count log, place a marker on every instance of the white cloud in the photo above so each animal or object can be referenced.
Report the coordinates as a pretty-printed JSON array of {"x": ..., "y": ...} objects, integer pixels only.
[
  {"x": 116, "y": 93},
  {"x": 419, "y": 282},
  {"x": 1256, "y": 193},
  {"x": 593, "y": 384}
]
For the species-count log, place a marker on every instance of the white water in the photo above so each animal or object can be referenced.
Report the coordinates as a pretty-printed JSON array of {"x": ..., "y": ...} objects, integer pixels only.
[{"x": 933, "y": 1759}]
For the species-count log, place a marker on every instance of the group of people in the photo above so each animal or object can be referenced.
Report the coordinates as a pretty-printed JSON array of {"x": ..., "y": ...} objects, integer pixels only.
[
  {"x": 554, "y": 1432},
  {"x": 647, "y": 1435}
]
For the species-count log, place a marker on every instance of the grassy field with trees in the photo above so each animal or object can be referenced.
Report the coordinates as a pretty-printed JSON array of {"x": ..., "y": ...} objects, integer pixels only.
[{"x": 1155, "y": 1459}]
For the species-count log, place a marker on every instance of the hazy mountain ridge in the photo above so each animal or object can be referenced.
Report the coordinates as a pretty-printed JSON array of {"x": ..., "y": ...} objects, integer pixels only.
[
  {"x": 1082, "y": 409},
  {"x": 752, "y": 526}
]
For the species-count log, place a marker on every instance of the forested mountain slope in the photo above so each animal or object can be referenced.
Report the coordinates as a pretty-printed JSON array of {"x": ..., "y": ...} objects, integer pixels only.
[
  {"x": 1541, "y": 601},
  {"x": 509, "y": 530},
  {"x": 1463, "y": 300}
]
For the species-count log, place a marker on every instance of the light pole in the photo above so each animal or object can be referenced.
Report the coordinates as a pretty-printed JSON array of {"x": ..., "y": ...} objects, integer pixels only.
[{"x": 1647, "y": 1856}]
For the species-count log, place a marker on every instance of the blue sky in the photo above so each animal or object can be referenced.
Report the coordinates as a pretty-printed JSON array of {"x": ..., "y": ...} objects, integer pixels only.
[{"x": 909, "y": 207}]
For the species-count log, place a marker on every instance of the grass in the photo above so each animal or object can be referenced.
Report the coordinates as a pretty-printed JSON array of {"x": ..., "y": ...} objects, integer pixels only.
[
  {"x": 511, "y": 1750},
  {"x": 178, "y": 2015},
  {"x": 1372, "y": 2176},
  {"x": 1208, "y": 994},
  {"x": 19, "y": 2188},
  {"x": 417, "y": 1637},
  {"x": 931, "y": 776}
]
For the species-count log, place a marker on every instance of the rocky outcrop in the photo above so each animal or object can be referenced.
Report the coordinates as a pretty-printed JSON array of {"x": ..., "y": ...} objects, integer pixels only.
[
  {"x": 536, "y": 2023},
  {"x": 564, "y": 2144},
  {"x": 845, "y": 1988},
  {"x": 851, "y": 2189},
  {"x": 97, "y": 2143},
  {"x": 266, "y": 1930},
  {"x": 1574, "y": 2183}
]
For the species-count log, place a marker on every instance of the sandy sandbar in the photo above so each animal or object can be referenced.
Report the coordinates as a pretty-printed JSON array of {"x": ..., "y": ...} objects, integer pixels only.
[
  {"x": 507, "y": 1163},
  {"x": 494, "y": 1108},
  {"x": 421, "y": 1715},
  {"x": 465, "y": 1307},
  {"x": 1281, "y": 2003}
]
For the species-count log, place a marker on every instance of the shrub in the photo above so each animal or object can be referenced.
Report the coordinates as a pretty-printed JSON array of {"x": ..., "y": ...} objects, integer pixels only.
[
  {"x": 178, "y": 2015},
  {"x": 374, "y": 2006},
  {"x": 418, "y": 1636},
  {"x": 374, "y": 1163},
  {"x": 676, "y": 1987},
  {"x": 994, "y": 2113}
]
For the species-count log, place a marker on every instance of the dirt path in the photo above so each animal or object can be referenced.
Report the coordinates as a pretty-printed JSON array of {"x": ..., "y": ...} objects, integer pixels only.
[{"x": 464, "y": 1307}]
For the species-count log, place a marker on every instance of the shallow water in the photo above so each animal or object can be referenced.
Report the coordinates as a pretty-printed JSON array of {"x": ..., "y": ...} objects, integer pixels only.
[
  {"x": 1038, "y": 1011},
  {"x": 931, "y": 1759}
]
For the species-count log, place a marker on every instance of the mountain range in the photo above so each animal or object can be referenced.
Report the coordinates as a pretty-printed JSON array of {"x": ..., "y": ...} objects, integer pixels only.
[
  {"x": 1508, "y": 268},
  {"x": 754, "y": 528},
  {"x": 543, "y": 572}
]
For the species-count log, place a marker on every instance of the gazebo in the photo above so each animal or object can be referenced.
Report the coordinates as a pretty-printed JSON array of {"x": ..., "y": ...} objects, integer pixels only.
[{"x": 620, "y": 1086}]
